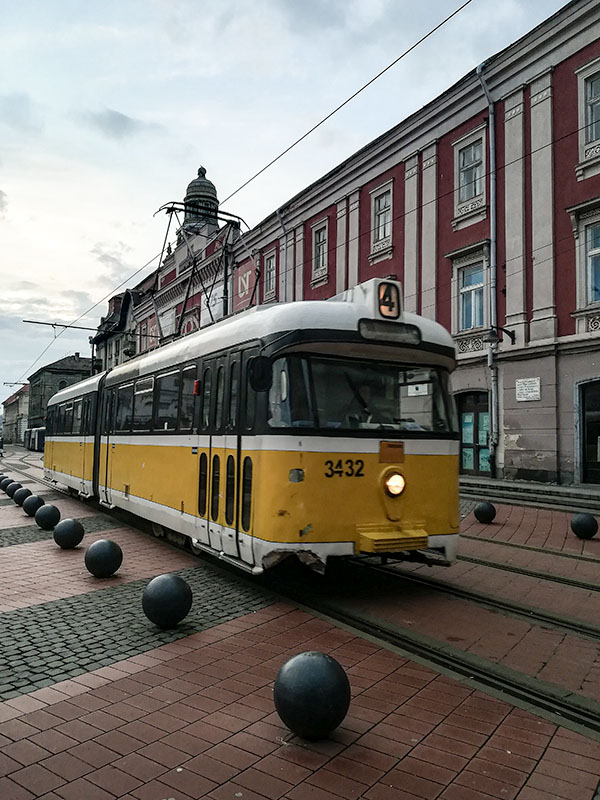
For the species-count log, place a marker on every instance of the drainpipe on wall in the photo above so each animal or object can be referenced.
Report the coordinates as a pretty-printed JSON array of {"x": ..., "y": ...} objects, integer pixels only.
[{"x": 493, "y": 321}]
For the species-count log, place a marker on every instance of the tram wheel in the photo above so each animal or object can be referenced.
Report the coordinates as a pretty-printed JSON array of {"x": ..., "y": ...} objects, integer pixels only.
[{"x": 158, "y": 530}]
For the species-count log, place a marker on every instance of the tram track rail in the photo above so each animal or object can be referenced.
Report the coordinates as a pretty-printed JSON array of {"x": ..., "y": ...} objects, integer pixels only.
[
  {"x": 531, "y": 573},
  {"x": 559, "y": 705},
  {"x": 530, "y": 613},
  {"x": 531, "y": 548}
]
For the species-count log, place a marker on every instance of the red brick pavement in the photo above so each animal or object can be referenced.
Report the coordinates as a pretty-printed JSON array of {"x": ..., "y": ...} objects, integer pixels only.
[
  {"x": 196, "y": 719},
  {"x": 535, "y": 527},
  {"x": 29, "y": 570}
]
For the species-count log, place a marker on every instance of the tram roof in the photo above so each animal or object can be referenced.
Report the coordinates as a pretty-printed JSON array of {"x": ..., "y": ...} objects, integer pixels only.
[
  {"x": 264, "y": 323},
  {"x": 77, "y": 389}
]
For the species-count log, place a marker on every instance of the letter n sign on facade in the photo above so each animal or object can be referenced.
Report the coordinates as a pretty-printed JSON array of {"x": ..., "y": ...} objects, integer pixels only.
[{"x": 244, "y": 285}]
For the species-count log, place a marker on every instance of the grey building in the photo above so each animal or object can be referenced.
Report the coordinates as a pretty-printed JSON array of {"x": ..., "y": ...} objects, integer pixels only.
[{"x": 49, "y": 379}]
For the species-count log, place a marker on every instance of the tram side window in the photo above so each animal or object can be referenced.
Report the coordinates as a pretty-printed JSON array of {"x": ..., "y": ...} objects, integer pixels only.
[
  {"x": 106, "y": 407},
  {"x": 124, "y": 407},
  {"x": 290, "y": 406},
  {"x": 167, "y": 396},
  {"x": 233, "y": 395},
  {"x": 206, "y": 394},
  {"x": 77, "y": 416},
  {"x": 68, "y": 418},
  {"x": 142, "y": 404},
  {"x": 220, "y": 398},
  {"x": 186, "y": 407}
]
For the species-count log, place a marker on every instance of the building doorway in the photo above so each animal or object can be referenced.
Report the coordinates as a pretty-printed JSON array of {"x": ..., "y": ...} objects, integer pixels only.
[
  {"x": 590, "y": 428},
  {"x": 474, "y": 419}
]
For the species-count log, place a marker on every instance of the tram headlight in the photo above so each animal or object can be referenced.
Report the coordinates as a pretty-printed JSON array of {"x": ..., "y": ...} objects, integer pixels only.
[{"x": 394, "y": 484}]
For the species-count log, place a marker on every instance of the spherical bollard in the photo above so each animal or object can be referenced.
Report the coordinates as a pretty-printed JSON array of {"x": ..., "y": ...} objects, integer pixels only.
[
  {"x": 166, "y": 600},
  {"x": 103, "y": 558},
  {"x": 484, "y": 512},
  {"x": 21, "y": 495},
  {"x": 312, "y": 694},
  {"x": 584, "y": 526},
  {"x": 4, "y": 483},
  {"x": 32, "y": 503},
  {"x": 12, "y": 488},
  {"x": 68, "y": 533},
  {"x": 47, "y": 517}
]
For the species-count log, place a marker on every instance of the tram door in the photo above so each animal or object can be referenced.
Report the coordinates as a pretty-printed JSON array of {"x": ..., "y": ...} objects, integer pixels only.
[
  {"x": 105, "y": 465},
  {"x": 590, "y": 395},
  {"x": 219, "y": 448}
]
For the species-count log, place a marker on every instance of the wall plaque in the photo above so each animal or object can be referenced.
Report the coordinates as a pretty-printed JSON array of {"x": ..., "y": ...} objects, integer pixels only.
[{"x": 527, "y": 389}]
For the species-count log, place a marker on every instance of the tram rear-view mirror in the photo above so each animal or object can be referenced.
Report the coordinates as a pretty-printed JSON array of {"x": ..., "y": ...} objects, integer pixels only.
[{"x": 260, "y": 373}]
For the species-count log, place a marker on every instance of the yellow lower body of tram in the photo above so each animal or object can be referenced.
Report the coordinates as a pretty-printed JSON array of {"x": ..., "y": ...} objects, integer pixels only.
[{"x": 309, "y": 501}]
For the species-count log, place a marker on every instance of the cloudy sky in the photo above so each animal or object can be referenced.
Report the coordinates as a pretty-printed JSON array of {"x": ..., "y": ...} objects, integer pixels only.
[{"x": 107, "y": 110}]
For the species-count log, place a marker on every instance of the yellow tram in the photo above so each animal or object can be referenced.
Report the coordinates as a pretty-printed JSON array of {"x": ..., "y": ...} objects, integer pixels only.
[{"x": 315, "y": 428}]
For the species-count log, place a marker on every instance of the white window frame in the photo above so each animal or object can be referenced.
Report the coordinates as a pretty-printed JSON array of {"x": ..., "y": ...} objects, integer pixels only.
[
  {"x": 589, "y": 254},
  {"x": 319, "y": 256},
  {"x": 381, "y": 243},
  {"x": 473, "y": 209},
  {"x": 477, "y": 294},
  {"x": 587, "y": 311},
  {"x": 469, "y": 342},
  {"x": 270, "y": 271},
  {"x": 589, "y": 151}
]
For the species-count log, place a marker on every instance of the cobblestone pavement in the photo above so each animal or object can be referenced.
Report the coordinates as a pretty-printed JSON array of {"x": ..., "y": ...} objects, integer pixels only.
[
  {"x": 24, "y": 534},
  {"x": 68, "y": 637}
]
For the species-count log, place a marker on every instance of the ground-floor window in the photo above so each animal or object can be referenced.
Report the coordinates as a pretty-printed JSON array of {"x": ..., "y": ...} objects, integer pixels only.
[{"x": 474, "y": 419}]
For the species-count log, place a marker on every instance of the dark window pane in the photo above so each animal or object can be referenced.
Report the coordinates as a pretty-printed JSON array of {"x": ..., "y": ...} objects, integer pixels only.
[
  {"x": 233, "y": 394},
  {"x": 220, "y": 398},
  {"x": 186, "y": 411},
  {"x": 214, "y": 488},
  {"x": 124, "y": 408},
  {"x": 206, "y": 391},
  {"x": 142, "y": 404},
  {"x": 203, "y": 485},
  {"x": 167, "y": 398},
  {"x": 246, "y": 493},
  {"x": 230, "y": 490},
  {"x": 77, "y": 416},
  {"x": 68, "y": 420}
]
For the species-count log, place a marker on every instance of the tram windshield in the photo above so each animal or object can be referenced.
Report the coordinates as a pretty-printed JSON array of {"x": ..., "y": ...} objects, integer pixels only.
[{"x": 349, "y": 395}]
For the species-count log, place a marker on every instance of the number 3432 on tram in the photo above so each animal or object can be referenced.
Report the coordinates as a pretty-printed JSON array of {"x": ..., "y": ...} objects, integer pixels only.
[{"x": 317, "y": 429}]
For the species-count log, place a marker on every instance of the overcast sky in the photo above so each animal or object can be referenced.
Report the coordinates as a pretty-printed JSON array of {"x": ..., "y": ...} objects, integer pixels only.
[{"x": 107, "y": 110}]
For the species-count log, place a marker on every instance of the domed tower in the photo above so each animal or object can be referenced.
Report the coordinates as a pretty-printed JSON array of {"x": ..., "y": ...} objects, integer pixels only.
[{"x": 201, "y": 206}]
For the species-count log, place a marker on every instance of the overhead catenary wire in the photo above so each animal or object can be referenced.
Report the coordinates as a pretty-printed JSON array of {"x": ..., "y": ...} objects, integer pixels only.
[
  {"x": 348, "y": 100},
  {"x": 277, "y": 158}
]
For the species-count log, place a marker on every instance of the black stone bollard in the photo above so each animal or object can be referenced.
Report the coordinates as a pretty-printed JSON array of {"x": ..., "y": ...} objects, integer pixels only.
[
  {"x": 32, "y": 503},
  {"x": 584, "y": 526},
  {"x": 312, "y": 694},
  {"x": 21, "y": 495},
  {"x": 68, "y": 533},
  {"x": 47, "y": 517},
  {"x": 166, "y": 600},
  {"x": 4, "y": 483},
  {"x": 103, "y": 558},
  {"x": 484, "y": 512},
  {"x": 12, "y": 488}
]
